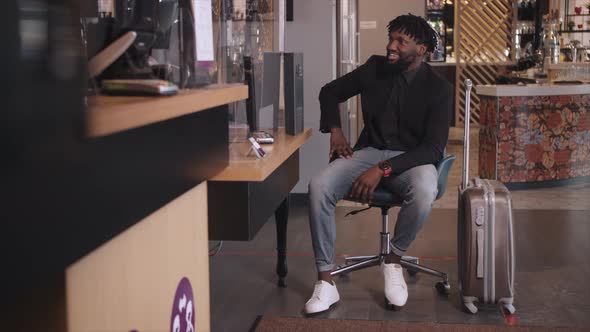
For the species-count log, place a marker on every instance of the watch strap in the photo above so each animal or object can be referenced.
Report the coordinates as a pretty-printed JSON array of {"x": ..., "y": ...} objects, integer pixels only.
[{"x": 385, "y": 166}]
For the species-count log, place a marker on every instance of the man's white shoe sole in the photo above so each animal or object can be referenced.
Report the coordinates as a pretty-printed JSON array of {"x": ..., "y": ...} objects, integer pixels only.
[
  {"x": 320, "y": 311},
  {"x": 392, "y": 307}
]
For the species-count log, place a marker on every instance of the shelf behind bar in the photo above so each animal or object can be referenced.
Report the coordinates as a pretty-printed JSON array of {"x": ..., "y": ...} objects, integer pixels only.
[{"x": 568, "y": 31}]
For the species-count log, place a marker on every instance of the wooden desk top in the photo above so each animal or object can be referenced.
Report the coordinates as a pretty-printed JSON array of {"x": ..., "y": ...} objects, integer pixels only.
[
  {"x": 245, "y": 166},
  {"x": 111, "y": 114}
]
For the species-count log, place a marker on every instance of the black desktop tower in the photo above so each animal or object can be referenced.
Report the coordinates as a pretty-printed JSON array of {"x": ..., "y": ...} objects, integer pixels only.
[
  {"x": 268, "y": 111},
  {"x": 293, "y": 68},
  {"x": 251, "y": 109}
]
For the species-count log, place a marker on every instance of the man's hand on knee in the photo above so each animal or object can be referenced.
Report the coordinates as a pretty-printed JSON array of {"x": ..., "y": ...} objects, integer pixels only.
[
  {"x": 364, "y": 186},
  {"x": 338, "y": 144}
]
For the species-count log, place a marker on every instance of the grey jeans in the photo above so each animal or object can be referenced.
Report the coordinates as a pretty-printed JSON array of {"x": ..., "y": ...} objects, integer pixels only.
[{"x": 417, "y": 186}]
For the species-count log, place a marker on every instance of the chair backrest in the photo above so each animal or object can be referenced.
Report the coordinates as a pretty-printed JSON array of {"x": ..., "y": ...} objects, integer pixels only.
[{"x": 443, "y": 168}]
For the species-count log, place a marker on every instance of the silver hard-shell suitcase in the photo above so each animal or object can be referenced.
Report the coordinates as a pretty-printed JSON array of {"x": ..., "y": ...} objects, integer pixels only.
[{"x": 485, "y": 236}]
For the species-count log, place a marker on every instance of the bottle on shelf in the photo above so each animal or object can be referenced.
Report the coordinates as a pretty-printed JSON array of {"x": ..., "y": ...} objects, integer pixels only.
[
  {"x": 434, "y": 4},
  {"x": 551, "y": 47},
  {"x": 439, "y": 52},
  {"x": 530, "y": 10}
]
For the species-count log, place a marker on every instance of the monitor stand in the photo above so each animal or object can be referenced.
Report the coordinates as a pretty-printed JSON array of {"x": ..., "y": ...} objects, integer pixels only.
[{"x": 132, "y": 67}]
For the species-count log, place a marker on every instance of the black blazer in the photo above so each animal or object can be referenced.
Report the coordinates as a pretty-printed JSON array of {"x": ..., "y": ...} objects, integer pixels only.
[{"x": 424, "y": 113}]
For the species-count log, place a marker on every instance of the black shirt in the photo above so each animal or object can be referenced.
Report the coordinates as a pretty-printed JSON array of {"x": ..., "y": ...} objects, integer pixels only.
[
  {"x": 419, "y": 116},
  {"x": 386, "y": 124}
]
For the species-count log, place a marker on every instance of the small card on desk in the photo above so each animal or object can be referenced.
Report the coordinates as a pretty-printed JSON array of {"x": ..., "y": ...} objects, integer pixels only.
[{"x": 257, "y": 148}]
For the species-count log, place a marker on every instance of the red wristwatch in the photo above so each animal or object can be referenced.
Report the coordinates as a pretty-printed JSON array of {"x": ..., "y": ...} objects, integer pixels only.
[{"x": 385, "y": 166}]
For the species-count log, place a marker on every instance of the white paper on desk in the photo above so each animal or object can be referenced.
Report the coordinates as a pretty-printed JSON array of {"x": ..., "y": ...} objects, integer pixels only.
[{"x": 203, "y": 30}]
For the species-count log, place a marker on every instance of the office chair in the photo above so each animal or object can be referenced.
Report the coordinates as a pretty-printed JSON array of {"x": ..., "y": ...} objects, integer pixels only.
[{"x": 385, "y": 200}]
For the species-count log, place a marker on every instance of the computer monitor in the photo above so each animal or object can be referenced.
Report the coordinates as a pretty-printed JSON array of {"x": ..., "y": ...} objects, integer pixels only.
[
  {"x": 138, "y": 15},
  {"x": 167, "y": 15},
  {"x": 151, "y": 18},
  {"x": 141, "y": 17},
  {"x": 152, "y": 21}
]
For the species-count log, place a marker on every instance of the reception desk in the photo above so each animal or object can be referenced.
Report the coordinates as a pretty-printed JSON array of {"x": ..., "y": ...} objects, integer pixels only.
[
  {"x": 141, "y": 261},
  {"x": 535, "y": 135}
]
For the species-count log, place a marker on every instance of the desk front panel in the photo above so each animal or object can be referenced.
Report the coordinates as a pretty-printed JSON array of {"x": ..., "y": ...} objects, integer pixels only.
[
  {"x": 237, "y": 210},
  {"x": 93, "y": 189},
  {"x": 151, "y": 277}
]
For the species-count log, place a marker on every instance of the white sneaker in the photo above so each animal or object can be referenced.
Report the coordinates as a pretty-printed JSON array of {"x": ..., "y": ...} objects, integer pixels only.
[
  {"x": 324, "y": 295},
  {"x": 396, "y": 290}
]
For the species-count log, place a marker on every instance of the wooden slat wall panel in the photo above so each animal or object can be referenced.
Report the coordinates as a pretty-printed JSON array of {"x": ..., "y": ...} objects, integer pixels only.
[{"x": 484, "y": 30}]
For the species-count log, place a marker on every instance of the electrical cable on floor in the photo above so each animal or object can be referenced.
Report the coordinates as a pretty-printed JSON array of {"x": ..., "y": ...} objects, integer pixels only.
[{"x": 216, "y": 249}]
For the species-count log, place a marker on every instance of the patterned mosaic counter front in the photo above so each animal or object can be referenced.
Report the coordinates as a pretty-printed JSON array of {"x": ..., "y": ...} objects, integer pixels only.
[{"x": 534, "y": 138}]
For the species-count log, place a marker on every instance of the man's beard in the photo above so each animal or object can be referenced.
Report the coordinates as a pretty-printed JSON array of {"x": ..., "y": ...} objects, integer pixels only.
[{"x": 401, "y": 64}]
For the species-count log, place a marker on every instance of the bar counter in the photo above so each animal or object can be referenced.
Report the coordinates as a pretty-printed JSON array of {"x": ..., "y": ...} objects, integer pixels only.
[{"x": 534, "y": 135}]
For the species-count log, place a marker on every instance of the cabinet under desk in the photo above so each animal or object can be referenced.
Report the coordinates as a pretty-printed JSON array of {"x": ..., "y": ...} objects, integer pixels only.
[{"x": 243, "y": 197}]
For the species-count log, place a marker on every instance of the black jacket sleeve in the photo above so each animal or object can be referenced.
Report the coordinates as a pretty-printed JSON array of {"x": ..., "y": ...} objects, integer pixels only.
[
  {"x": 430, "y": 150},
  {"x": 338, "y": 91}
]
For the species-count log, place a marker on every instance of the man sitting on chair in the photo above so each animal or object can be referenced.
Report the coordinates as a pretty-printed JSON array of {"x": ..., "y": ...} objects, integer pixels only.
[{"x": 406, "y": 112}]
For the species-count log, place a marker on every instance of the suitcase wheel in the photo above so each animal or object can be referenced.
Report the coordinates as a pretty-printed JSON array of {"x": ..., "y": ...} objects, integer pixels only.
[
  {"x": 470, "y": 307},
  {"x": 443, "y": 287}
]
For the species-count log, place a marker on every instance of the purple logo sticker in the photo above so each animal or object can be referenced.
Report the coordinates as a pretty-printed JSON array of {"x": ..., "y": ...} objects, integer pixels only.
[{"x": 183, "y": 308}]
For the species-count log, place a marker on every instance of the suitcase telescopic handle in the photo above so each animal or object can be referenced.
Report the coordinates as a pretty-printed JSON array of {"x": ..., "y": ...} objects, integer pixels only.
[{"x": 465, "y": 177}]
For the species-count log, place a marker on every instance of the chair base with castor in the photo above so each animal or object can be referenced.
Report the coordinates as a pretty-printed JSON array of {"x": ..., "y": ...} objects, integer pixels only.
[{"x": 385, "y": 200}]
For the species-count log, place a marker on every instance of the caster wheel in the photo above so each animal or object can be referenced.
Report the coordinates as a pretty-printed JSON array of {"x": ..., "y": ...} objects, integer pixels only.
[
  {"x": 509, "y": 308},
  {"x": 391, "y": 307},
  {"x": 470, "y": 307},
  {"x": 443, "y": 287}
]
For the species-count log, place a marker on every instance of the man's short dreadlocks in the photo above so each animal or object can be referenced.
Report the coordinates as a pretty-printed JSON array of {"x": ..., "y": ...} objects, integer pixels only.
[{"x": 417, "y": 28}]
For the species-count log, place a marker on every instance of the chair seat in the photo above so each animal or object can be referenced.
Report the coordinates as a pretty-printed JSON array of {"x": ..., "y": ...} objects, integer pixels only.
[
  {"x": 384, "y": 198},
  {"x": 381, "y": 198}
]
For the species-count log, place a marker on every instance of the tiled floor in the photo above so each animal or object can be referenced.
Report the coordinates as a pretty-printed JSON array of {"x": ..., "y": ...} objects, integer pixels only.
[
  {"x": 552, "y": 229},
  {"x": 552, "y": 272}
]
